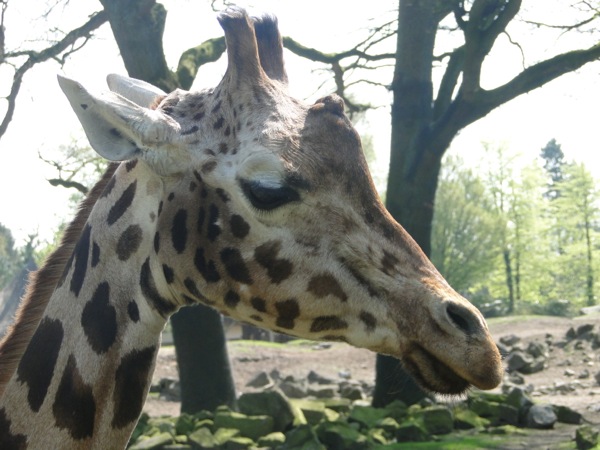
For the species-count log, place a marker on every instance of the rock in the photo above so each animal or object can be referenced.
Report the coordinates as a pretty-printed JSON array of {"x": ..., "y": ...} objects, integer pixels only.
[
  {"x": 314, "y": 377},
  {"x": 261, "y": 380},
  {"x": 534, "y": 366},
  {"x": 564, "y": 414},
  {"x": 238, "y": 443},
  {"x": 583, "y": 330},
  {"x": 271, "y": 440},
  {"x": 516, "y": 378},
  {"x": 437, "y": 419},
  {"x": 366, "y": 416},
  {"x": 154, "y": 442},
  {"x": 571, "y": 333},
  {"x": 411, "y": 431},
  {"x": 249, "y": 426},
  {"x": 341, "y": 436},
  {"x": 323, "y": 391},
  {"x": 185, "y": 424},
  {"x": 345, "y": 374},
  {"x": 597, "y": 377},
  {"x": 340, "y": 405},
  {"x": 302, "y": 437},
  {"x": 388, "y": 424},
  {"x": 351, "y": 391},
  {"x": 584, "y": 374},
  {"x": 510, "y": 340},
  {"x": 313, "y": 410},
  {"x": 517, "y": 360},
  {"x": 503, "y": 349},
  {"x": 586, "y": 437},
  {"x": 465, "y": 419},
  {"x": 537, "y": 349},
  {"x": 270, "y": 403},
  {"x": 569, "y": 372},
  {"x": 541, "y": 417},
  {"x": 293, "y": 389},
  {"x": 203, "y": 439},
  {"x": 518, "y": 399}
]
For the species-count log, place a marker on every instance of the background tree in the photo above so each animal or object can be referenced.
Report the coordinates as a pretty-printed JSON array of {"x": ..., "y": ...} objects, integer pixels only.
[
  {"x": 8, "y": 256},
  {"x": 466, "y": 233},
  {"x": 577, "y": 210}
]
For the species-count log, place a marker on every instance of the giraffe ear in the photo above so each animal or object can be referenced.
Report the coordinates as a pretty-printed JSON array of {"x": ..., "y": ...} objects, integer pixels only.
[
  {"x": 138, "y": 91},
  {"x": 117, "y": 128}
]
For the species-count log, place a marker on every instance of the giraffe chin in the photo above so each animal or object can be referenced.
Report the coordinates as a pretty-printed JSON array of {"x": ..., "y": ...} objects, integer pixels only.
[{"x": 432, "y": 374}]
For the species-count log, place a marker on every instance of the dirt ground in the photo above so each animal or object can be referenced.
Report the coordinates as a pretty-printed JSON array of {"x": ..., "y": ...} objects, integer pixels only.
[{"x": 563, "y": 366}]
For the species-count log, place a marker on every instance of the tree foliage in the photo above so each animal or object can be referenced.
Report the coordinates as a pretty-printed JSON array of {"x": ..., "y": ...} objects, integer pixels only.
[{"x": 541, "y": 251}]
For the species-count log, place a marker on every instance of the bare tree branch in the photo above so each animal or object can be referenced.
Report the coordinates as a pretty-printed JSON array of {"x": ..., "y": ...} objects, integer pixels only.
[{"x": 55, "y": 51}]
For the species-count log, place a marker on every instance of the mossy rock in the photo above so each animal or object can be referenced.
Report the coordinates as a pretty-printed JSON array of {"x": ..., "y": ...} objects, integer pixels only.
[
  {"x": 222, "y": 435},
  {"x": 331, "y": 415},
  {"x": 238, "y": 443},
  {"x": 366, "y": 416},
  {"x": 177, "y": 447},
  {"x": 154, "y": 442},
  {"x": 340, "y": 405},
  {"x": 249, "y": 426},
  {"x": 203, "y": 439},
  {"x": 164, "y": 424},
  {"x": 465, "y": 419},
  {"x": 397, "y": 410},
  {"x": 185, "y": 424},
  {"x": 270, "y": 403},
  {"x": 271, "y": 440},
  {"x": 313, "y": 410},
  {"x": 586, "y": 437},
  {"x": 302, "y": 437},
  {"x": 388, "y": 424},
  {"x": 412, "y": 431},
  {"x": 437, "y": 419},
  {"x": 379, "y": 436},
  {"x": 341, "y": 436}
]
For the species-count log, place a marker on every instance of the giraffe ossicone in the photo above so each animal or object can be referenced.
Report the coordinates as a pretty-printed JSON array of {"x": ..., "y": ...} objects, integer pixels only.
[{"x": 239, "y": 197}]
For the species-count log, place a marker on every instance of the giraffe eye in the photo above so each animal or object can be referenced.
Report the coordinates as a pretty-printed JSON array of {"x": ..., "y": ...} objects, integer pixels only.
[{"x": 267, "y": 196}]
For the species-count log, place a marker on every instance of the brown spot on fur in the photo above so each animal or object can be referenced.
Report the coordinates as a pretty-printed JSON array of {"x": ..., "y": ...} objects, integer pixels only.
[
  {"x": 324, "y": 285},
  {"x": 369, "y": 320},
  {"x": 287, "y": 312},
  {"x": 74, "y": 407},
  {"x": 39, "y": 360},
  {"x": 327, "y": 323},
  {"x": 278, "y": 269},
  {"x": 208, "y": 166},
  {"x": 129, "y": 242},
  {"x": 7, "y": 439},
  {"x": 235, "y": 265},
  {"x": 259, "y": 304},
  {"x": 131, "y": 380}
]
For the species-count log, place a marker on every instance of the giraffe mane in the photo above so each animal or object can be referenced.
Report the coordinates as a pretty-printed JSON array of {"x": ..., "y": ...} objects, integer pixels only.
[{"x": 41, "y": 285}]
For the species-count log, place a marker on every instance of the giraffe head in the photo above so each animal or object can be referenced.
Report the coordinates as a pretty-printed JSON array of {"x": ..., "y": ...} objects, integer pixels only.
[{"x": 269, "y": 214}]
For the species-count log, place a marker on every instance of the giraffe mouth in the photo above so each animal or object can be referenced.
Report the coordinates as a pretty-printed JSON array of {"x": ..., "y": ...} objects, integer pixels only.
[{"x": 432, "y": 374}]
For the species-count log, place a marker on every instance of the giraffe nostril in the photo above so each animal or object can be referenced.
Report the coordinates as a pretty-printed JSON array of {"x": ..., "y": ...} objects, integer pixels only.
[{"x": 463, "y": 319}]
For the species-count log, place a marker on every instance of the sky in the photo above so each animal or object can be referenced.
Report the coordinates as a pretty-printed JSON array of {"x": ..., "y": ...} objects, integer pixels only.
[{"x": 567, "y": 109}]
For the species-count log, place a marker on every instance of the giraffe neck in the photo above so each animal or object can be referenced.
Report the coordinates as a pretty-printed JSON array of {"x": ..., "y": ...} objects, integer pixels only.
[{"x": 84, "y": 377}]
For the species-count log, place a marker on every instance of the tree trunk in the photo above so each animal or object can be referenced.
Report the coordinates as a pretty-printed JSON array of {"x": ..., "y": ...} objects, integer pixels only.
[
  {"x": 414, "y": 164},
  {"x": 590, "y": 266},
  {"x": 204, "y": 371},
  {"x": 509, "y": 281}
]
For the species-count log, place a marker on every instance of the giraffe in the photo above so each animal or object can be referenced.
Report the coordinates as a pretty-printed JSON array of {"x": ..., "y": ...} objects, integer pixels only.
[{"x": 238, "y": 197}]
